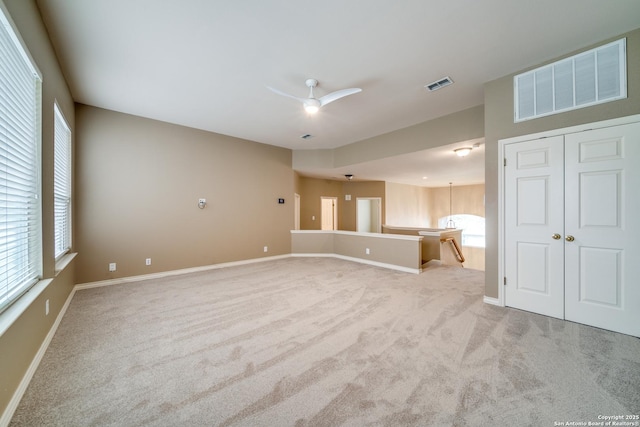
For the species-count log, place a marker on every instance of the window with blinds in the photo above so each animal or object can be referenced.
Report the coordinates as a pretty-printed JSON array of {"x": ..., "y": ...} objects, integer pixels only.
[
  {"x": 62, "y": 184},
  {"x": 20, "y": 223},
  {"x": 593, "y": 77}
]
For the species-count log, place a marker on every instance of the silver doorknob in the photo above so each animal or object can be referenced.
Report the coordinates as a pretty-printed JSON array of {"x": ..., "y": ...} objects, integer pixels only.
[
  {"x": 569, "y": 238},
  {"x": 556, "y": 236}
]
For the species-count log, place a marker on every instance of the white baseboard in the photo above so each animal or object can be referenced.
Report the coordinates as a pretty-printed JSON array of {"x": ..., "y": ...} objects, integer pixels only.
[
  {"x": 131, "y": 279},
  {"x": 26, "y": 379},
  {"x": 492, "y": 301},
  {"x": 362, "y": 261}
]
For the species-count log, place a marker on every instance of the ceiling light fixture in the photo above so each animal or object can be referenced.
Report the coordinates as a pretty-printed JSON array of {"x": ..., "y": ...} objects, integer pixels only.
[
  {"x": 311, "y": 105},
  {"x": 462, "y": 152},
  {"x": 349, "y": 177}
]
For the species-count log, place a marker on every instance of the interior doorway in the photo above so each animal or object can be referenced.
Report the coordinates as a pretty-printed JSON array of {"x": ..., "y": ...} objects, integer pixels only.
[
  {"x": 296, "y": 209},
  {"x": 369, "y": 214},
  {"x": 329, "y": 213}
]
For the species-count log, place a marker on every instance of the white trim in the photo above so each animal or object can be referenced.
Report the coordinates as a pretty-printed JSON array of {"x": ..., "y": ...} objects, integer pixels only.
[
  {"x": 492, "y": 301},
  {"x": 26, "y": 379},
  {"x": 64, "y": 261},
  {"x": 502, "y": 143},
  {"x": 361, "y": 234},
  {"x": 501, "y": 267},
  {"x": 7, "y": 21},
  {"x": 360, "y": 261},
  {"x": 573, "y": 129},
  {"x": 132, "y": 279},
  {"x": 378, "y": 226}
]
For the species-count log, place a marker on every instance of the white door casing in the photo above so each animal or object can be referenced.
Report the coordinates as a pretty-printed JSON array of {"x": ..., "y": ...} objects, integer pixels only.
[
  {"x": 585, "y": 187},
  {"x": 534, "y": 200},
  {"x": 369, "y": 214},
  {"x": 602, "y": 260},
  {"x": 296, "y": 211}
]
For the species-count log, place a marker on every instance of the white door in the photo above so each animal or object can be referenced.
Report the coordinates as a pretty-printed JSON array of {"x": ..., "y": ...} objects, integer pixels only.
[
  {"x": 534, "y": 240},
  {"x": 329, "y": 213},
  {"x": 602, "y": 254}
]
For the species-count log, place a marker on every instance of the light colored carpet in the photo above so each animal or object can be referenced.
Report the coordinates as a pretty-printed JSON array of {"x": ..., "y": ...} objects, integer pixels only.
[{"x": 322, "y": 342}]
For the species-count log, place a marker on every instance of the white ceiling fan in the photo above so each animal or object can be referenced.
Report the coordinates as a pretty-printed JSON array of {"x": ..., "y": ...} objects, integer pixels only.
[{"x": 313, "y": 104}]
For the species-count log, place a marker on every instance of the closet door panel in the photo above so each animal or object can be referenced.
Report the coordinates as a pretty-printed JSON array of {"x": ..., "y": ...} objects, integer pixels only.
[
  {"x": 602, "y": 249},
  {"x": 533, "y": 195}
]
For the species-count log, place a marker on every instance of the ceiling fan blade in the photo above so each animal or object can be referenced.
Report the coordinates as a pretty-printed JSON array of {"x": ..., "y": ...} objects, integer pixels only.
[
  {"x": 337, "y": 95},
  {"x": 279, "y": 92}
]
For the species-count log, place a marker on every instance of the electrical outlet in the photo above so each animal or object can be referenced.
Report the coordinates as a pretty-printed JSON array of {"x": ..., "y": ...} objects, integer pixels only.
[
  {"x": 46, "y": 308},
  {"x": 112, "y": 266},
  {"x": 147, "y": 261},
  {"x": 367, "y": 251},
  {"x": 266, "y": 249}
]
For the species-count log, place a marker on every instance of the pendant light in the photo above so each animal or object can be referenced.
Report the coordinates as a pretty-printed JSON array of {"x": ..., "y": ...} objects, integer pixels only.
[{"x": 450, "y": 222}]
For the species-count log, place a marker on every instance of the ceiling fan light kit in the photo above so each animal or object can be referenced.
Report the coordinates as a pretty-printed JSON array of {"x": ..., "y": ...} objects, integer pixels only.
[{"x": 313, "y": 104}]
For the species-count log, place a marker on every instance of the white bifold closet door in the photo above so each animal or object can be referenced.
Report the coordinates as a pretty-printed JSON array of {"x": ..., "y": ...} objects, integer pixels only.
[{"x": 572, "y": 234}]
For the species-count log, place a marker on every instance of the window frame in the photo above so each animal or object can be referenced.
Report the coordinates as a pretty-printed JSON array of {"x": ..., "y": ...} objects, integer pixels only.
[
  {"x": 462, "y": 221},
  {"x": 21, "y": 152},
  {"x": 62, "y": 182}
]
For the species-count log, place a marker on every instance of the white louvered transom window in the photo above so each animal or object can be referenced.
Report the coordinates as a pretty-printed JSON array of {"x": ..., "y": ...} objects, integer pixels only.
[
  {"x": 593, "y": 77},
  {"x": 62, "y": 184},
  {"x": 20, "y": 224}
]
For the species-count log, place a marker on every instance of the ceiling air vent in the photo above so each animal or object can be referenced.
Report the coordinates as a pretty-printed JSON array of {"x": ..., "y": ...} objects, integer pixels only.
[
  {"x": 445, "y": 81},
  {"x": 306, "y": 136}
]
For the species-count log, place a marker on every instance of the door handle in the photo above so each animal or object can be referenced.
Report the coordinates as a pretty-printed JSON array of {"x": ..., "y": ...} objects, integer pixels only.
[
  {"x": 569, "y": 238},
  {"x": 556, "y": 236}
]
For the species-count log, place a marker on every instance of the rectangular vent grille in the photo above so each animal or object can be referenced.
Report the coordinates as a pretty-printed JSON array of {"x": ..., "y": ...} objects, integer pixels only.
[
  {"x": 445, "y": 81},
  {"x": 592, "y": 77}
]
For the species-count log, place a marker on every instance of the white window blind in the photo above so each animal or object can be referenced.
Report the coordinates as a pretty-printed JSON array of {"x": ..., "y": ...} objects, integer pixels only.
[
  {"x": 62, "y": 184},
  {"x": 20, "y": 224},
  {"x": 593, "y": 77}
]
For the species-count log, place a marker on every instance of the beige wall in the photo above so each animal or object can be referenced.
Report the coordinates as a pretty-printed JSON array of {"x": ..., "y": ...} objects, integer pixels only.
[
  {"x": 20, "y": 342},
  {"x": 139, "y": 182},
  {"x": 465, "y": 199},
  {"x": 312, "y": 189},
  {"x": 398, "y": 251},
  {"x": 407, "y": 205},
  {"x": 463, "y": 125},
  {"x": 499, "y": 125},
  {"x": 348, "y": 218}
]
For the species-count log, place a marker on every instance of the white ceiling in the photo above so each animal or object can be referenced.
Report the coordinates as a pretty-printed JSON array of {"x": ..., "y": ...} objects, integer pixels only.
[{"x": 206, "y": 63}]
